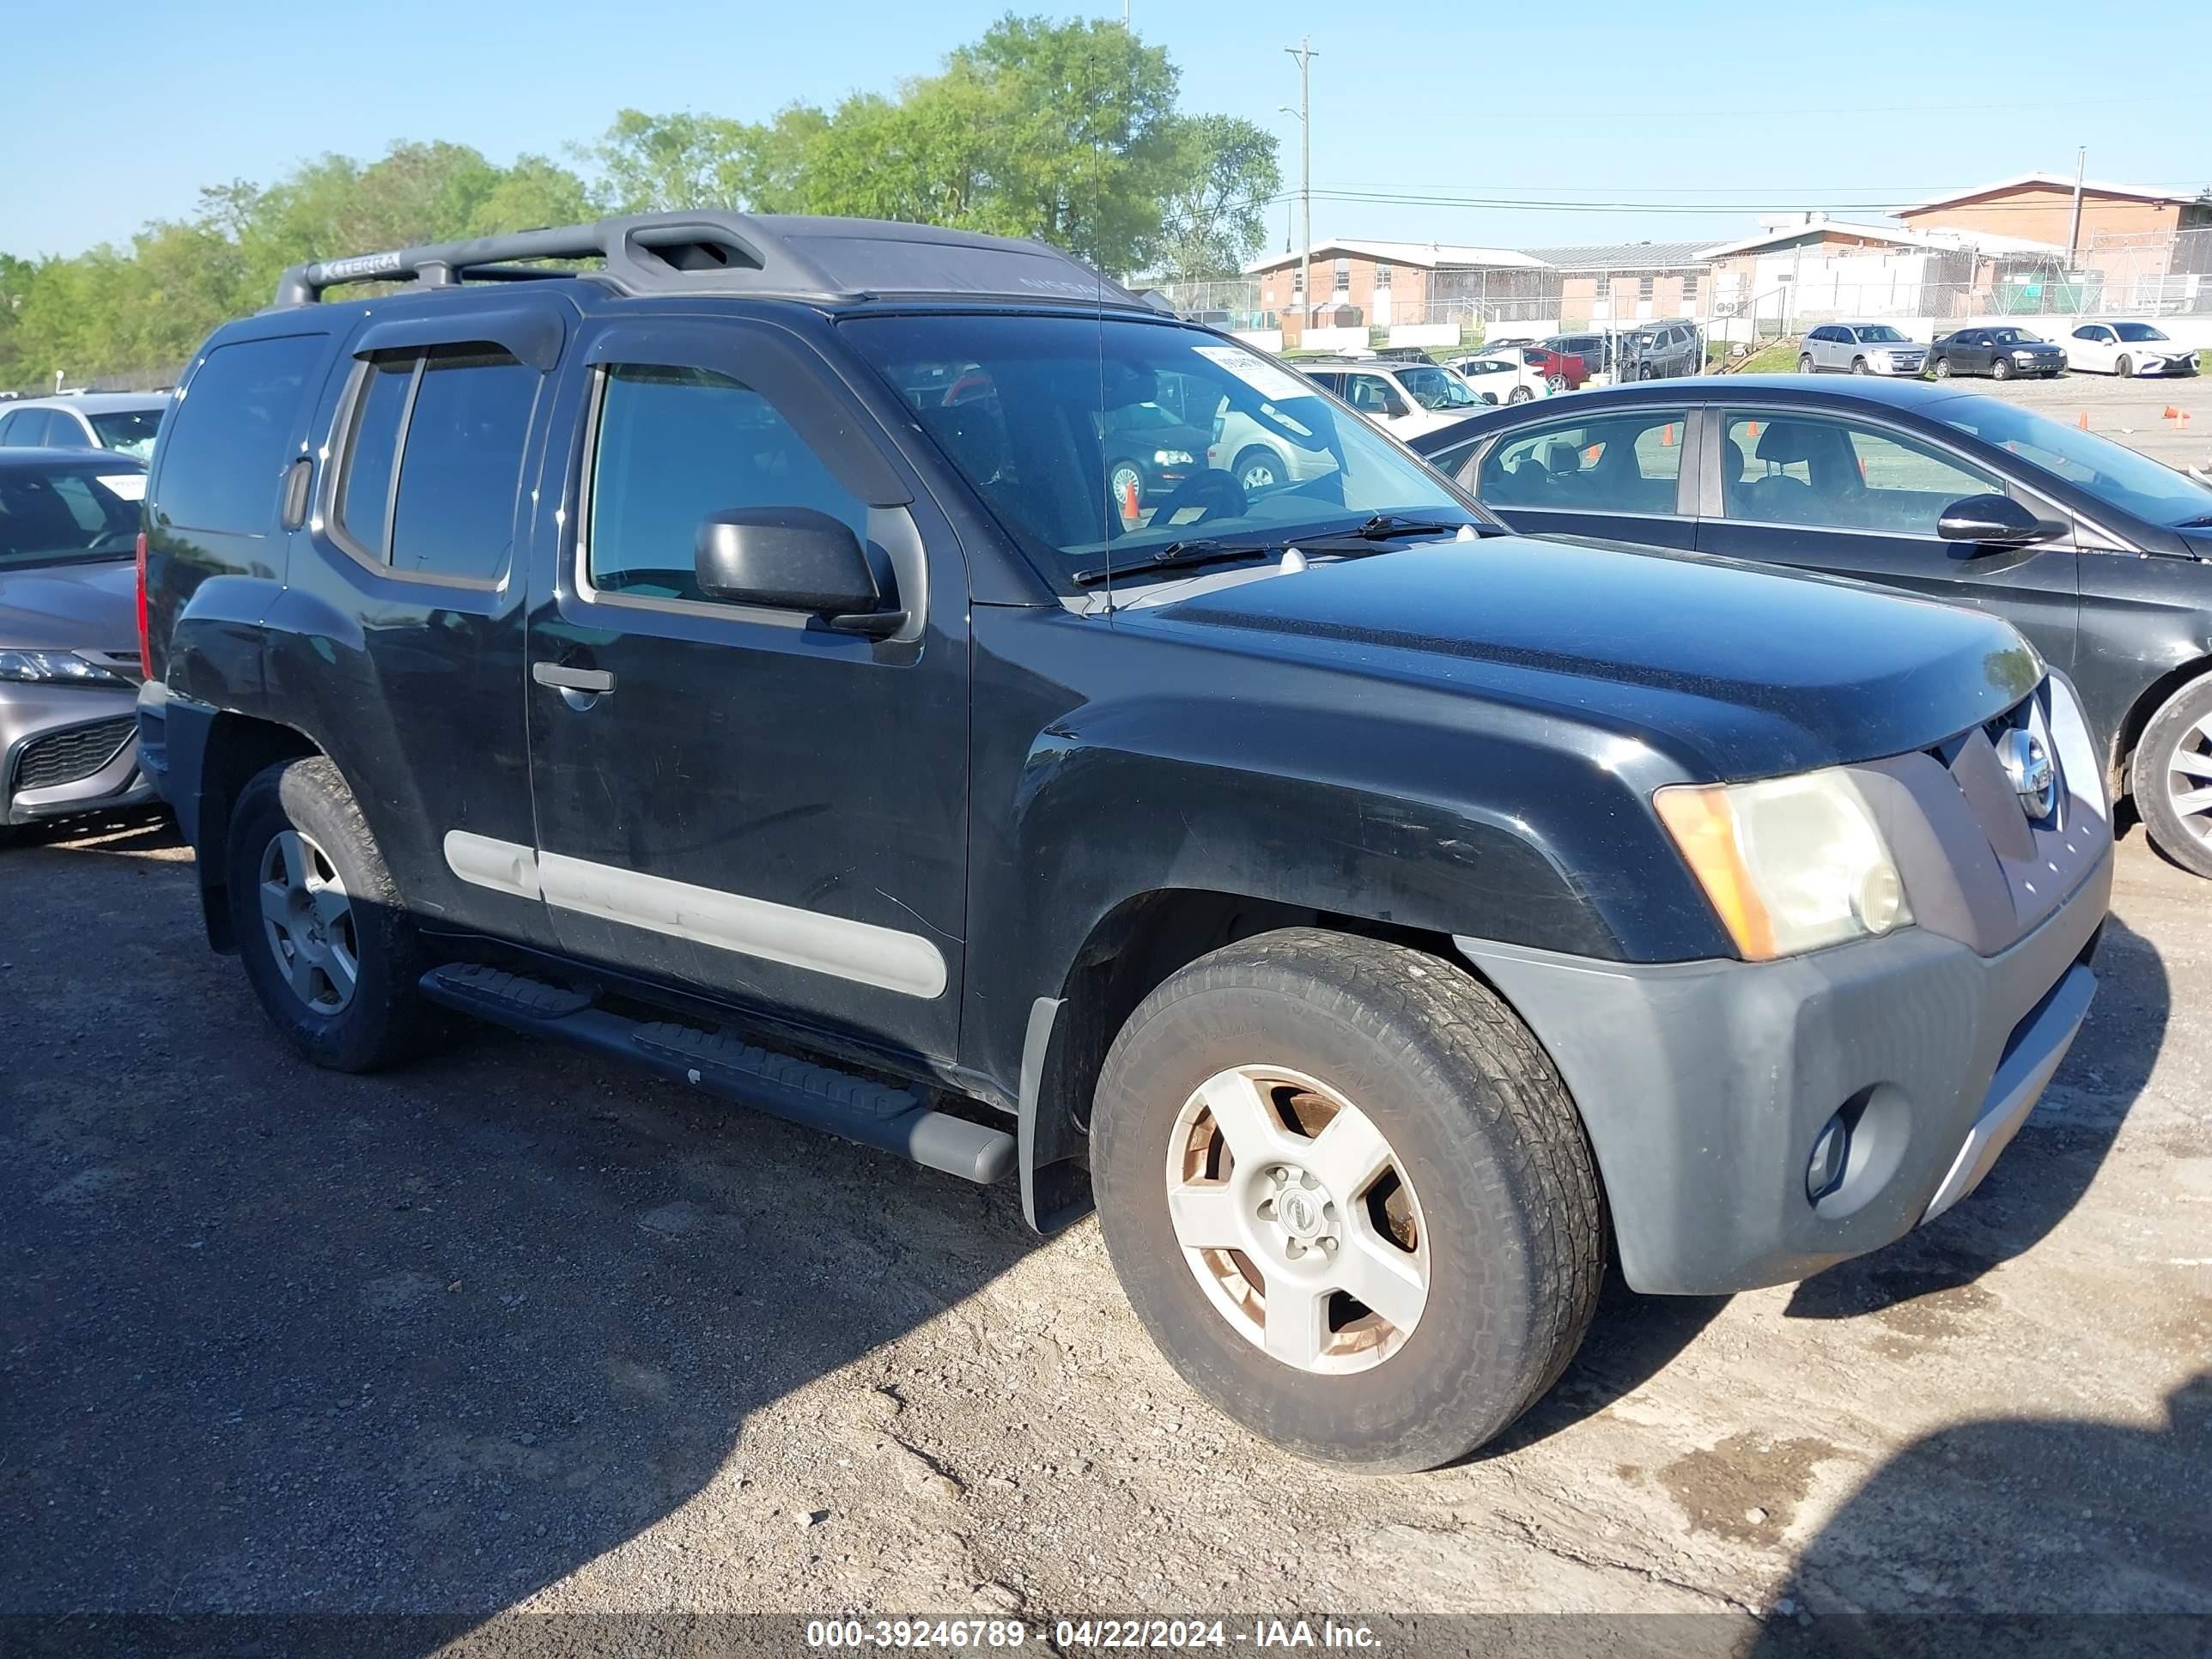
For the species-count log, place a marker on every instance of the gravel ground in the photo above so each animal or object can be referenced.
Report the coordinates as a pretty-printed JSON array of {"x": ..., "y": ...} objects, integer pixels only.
[
  {"x": 2131, "y": 412},
  {"x": 515, "y": 1332}
]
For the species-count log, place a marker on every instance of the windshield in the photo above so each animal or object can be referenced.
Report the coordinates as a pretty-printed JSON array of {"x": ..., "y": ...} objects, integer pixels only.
[
  {"x": 1880, "y": 334},
  {"x": 1014, "y": 404},
  {"x": 2014, "y": 337},
  {"x": 129, "y": 431},
  {"x": 49, "y": 514},
  {"x": 1437, "y": 388},
  {"x": 2130, "y": 481},
  {"x": 2139, "y": 331}
]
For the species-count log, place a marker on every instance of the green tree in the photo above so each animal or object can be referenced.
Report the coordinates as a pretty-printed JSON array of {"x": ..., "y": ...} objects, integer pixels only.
[{"x": 1215, "y": 218}]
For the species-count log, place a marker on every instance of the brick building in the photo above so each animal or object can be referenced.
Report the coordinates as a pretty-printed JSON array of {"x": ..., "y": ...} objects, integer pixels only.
[{"x": 2039, "y": 207}]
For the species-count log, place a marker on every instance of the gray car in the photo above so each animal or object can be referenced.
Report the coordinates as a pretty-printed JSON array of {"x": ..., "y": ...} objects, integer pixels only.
[
  {"x": 69, "y": 651},
  {"x": 125, "y": 422},
  {"x": 1861, "y": 349}
]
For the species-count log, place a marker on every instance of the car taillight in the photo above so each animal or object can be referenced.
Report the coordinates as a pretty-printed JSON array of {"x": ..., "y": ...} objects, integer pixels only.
[{"x": 145, "y": 633}]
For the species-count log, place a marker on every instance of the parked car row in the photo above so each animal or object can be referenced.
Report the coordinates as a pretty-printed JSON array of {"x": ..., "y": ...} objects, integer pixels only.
[
  {"x": 894, "y": 678},
  {"x": 2000, "y": 351}
]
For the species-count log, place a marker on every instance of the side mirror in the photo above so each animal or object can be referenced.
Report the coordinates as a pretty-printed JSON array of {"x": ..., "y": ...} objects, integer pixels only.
[
  {"x": 1995, "y": 521},
  {"x": 1395, "y": 406},
  {"x": 791, "y": 558}
]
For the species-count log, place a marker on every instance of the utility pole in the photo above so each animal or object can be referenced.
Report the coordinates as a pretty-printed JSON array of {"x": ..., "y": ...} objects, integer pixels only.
[
  {"x": 2073, "y": 234},
  {"x": 1305, "y": 54}
]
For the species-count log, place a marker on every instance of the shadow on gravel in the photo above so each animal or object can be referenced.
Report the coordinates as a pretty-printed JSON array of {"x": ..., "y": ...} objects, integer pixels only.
[
  {"x": 278, "y": 1340},
  {"x": 1631, "y": 1340},
  {"x": 2108, "y": 1545},
  {"x": 2043, "y": 1174}
]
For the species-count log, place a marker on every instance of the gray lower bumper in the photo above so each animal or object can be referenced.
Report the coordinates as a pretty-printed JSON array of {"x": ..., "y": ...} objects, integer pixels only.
[
  {"x": 30, "y": 714},
  {"x": 1704, "y": 1085}
]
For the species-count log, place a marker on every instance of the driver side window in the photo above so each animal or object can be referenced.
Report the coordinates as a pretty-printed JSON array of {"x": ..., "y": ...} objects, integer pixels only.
[{"x": 1841, "y": 475}]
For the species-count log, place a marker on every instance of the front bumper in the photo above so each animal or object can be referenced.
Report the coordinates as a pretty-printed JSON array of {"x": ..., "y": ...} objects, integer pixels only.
[
  {"x": 66, "y": 750},
  {"x": 1909, "y": 368},
  {"x": 1704, "y": 1085}
]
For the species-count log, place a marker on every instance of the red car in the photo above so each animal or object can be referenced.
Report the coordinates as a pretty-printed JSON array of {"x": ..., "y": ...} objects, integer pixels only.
[{"x": 1557, "y": 367}]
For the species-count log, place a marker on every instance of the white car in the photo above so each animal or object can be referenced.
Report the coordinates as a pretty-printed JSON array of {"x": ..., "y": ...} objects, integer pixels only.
[
  {"x": 1505, "y": 375},
  {"x": 1404, "y": 400},
  {"x": 2126, "y": 349},
  {"x": 124, "y": 422}
]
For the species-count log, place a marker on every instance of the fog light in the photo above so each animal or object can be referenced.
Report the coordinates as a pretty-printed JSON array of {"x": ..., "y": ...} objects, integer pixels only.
[{"x": 1831, "y": 1154}]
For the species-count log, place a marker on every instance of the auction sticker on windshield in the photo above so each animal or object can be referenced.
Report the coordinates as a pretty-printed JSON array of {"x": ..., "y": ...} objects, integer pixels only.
[
  {"x": 1262, "y": 376},
  {"x": 130, "y": 486}
]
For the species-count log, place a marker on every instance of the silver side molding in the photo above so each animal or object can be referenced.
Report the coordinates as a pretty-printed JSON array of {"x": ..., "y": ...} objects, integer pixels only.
[{"x": 858, "y": 950}]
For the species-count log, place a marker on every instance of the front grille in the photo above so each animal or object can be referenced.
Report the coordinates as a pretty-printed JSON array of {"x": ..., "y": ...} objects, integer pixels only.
[{"x": 72, "y": 756}]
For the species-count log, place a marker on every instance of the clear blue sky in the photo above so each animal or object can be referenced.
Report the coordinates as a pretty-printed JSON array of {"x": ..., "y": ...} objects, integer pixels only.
[{"x": 1775, "y": 103}]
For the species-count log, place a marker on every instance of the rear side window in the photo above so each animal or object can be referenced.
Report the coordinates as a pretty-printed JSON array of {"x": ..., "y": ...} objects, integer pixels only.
[
  {"x": 223, "y": 462},
  {"x": 24, "y": 429},
  {"x": 1626, "y": 463},
  {"x": 433, "y": 460},
  {"x": 676, "y": 444}
]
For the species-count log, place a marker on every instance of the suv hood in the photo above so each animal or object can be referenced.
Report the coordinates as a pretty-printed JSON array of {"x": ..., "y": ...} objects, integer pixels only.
[
  {"x": 1736, "y": 671},
  {"x": 86, "y": 605}
]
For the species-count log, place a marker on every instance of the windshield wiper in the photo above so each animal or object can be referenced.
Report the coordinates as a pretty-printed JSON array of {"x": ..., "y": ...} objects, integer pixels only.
[
  {"x": 1175, "y": 556},
  {"x": 1391, "y": 526}
]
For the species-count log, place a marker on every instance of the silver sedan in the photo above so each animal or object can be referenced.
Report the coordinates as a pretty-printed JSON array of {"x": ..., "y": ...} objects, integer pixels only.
[{"x": 69, "y": 648}]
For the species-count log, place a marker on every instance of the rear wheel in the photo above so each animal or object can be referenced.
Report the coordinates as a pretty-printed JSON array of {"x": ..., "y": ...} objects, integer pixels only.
[
  {"x": 325, "y": 943},
  {"x": 2172, "y": 780},
  {"x": 1520, "y": 394},
  {"x": 1258, "y": 468},
  {"x": 1125, "y": 488},
  {"x": 1348, "y": 1197},
  {"x": 2125, "y": 368}
]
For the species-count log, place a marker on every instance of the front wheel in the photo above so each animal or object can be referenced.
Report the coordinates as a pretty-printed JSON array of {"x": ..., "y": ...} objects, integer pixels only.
[
  {"x": 1942, "y": 370},
  {"x": 2001, "y": 369},
  {"x": 2125, "y": 368},
  {"x": 1348, "y": 1196},
  {"x": 324, "y": 942},
  {"x": 2172, "y": 780},
  {"x": 1520, "y": 394},
  {"x": 1859, "y": 366}
]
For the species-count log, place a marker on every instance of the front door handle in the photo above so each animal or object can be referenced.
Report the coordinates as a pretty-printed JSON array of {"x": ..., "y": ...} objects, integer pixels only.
[{"x": 564, "y": 678}]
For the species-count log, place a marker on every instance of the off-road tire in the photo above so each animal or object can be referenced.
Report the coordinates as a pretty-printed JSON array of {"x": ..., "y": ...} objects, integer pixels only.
[
  {"x": 386, "y": 1019},
  {"x": 2170, "y": 727},
  {"x": 1476, "y": 1115}
]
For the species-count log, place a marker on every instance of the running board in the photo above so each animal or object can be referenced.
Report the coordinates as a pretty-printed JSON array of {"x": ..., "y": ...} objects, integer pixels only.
[{"x": 875, "y": 1114}]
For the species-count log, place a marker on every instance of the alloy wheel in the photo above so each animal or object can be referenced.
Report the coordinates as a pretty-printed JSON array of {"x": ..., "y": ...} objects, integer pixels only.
[
  {"x": 2189, "y": 779},
  {"x": 309, "y": 922},
  {"x": 1297, "y": 1219}
]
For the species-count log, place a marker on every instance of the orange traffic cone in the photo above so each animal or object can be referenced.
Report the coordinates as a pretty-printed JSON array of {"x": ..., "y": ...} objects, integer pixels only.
[
  {"x": 2178, "y": 416},
  {"x": 1666, "y": 435},
  {"x": 1130, "y": 506},
  {"x": 2084, "y": 422}
]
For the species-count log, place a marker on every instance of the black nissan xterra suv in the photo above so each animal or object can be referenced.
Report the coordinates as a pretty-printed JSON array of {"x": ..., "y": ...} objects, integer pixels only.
[{"x": 730, "y": 654}]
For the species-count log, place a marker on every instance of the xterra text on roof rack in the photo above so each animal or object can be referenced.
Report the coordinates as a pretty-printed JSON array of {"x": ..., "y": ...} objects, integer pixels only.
[{"x": 734, "y": 657}]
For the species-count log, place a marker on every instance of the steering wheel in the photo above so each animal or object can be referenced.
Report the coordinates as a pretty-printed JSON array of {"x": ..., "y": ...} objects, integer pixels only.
[{"x": 1216, "y": 491}]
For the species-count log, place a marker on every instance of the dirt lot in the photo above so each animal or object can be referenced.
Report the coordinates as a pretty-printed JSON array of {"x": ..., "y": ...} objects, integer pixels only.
[
  {"x": 2132, "y": 412},
  {"x": 514, "y": 1331}
]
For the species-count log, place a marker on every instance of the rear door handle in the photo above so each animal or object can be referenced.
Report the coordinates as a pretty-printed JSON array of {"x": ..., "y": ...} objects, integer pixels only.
[{"x": 572, "y": 680}]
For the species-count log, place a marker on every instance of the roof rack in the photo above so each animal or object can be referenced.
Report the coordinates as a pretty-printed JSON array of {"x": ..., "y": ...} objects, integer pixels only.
[{"x": 785, "y": 256}]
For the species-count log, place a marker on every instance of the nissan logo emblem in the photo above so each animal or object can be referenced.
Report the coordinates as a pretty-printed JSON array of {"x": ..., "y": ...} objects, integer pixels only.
[{"x": 2027, "y": 766}]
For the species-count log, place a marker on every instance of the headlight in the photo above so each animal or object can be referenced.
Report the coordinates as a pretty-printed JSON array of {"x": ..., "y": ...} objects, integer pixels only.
[
  {"x": 1790, "y": 864},
  {"x": 54, "y": 668},
  {"x": 1171, "y": 458},
  {"x": 2024, "y": 357}
]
